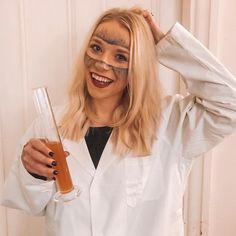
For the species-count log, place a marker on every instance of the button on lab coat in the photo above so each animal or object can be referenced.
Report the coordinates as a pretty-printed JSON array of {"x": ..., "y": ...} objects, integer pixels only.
[{"x": 138, "y": 196}]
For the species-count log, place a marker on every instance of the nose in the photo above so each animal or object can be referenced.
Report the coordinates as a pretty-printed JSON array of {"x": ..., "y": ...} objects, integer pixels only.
[
  {"x": 102, "y": 62},
  {"x": 102, "y": 65}
]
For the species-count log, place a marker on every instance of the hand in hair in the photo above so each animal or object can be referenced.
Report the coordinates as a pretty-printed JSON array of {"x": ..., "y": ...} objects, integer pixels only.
[{"x": 156, "y": 32}]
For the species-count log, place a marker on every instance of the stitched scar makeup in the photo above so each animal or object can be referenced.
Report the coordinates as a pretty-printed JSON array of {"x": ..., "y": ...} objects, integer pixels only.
[{"x": 90, "y": 61}]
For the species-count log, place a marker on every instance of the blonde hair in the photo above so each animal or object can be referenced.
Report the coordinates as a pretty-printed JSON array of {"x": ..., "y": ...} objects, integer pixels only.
[{"x": 136, "y": 119}]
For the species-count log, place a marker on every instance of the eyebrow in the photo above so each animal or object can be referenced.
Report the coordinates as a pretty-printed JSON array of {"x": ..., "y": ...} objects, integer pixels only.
[
  {"x": 113, "y": 41},
  {"x": 99, "y": 41}
]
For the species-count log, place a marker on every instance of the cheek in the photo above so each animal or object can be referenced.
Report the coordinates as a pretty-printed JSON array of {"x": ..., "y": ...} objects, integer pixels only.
[
  {"x": 121, "y": 84},
  {"x": 120, "y": 73},
  {"x": 88, "y": 61}
]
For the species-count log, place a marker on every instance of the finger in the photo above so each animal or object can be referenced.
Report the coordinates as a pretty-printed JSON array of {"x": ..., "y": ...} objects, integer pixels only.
[
  {"x": 32, "y": 155},
  {"x": 67, "y": 153},
  {"x": 156, "y": 32},
  {"x": 149, "y": 18},
  {"x": 42, "y": 170},
  {"x": 41, "y": 146}
]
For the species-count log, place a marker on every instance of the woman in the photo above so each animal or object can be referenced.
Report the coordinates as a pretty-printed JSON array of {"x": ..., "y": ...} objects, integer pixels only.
[{"x": 130, "y": 151}]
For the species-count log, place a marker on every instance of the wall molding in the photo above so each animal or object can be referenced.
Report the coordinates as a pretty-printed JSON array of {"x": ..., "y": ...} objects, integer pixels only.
[
  {"x": 72, "y": 34},
  {"x": 213, "y": 29},
  {"x": 24, "y": 61},
  {"x": 155, "y": 6},
  {"x": 3, "y": 210},
  {"x": 207, "y": 161}
]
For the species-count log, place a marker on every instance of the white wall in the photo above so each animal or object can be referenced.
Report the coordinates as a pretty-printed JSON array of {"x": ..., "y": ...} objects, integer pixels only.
[
  {"x": 39, "y": 44},
  {"x": 223, "y": 180}
]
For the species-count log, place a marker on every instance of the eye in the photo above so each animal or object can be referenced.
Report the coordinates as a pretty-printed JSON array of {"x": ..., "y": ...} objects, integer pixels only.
[
  {"x": 121, "y": 57},
  {"x": 95, "y": 47}
]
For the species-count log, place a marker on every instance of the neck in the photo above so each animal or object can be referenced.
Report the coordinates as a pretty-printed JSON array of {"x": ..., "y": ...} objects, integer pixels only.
[{"x": 102, "y": 112}]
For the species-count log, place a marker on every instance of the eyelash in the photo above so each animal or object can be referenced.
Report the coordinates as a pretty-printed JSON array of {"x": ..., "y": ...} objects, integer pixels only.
[
  {"x": 95, "y": 47},
  {"x": 120, "y": 57}
]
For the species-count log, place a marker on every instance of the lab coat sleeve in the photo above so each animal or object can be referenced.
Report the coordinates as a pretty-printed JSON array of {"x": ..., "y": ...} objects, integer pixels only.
[
  {"x": 23, "y": 191},
  {"x": 208, "y": 113}
]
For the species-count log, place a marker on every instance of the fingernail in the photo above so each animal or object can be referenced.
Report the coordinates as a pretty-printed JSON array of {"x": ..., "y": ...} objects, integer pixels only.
[
  {"x": 54, "y": 163},
  {"x": 55, "y": 172},
  {"x": 51, "y": 154},
  {"x": 54, "y": 178}
]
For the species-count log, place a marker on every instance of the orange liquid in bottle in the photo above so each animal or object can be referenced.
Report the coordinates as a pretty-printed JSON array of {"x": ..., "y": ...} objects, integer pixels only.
[{"x": 63, "y": 179}]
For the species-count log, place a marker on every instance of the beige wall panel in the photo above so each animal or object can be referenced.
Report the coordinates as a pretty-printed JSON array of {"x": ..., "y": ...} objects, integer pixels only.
[
  {"x": 12, "y": 112},
  {"x": 84, "y": 16},
  {"x": 34, "y": 51},
  {"x": 227, "y": 34},
  {"x": 169, "y": 12},
  {"x": 223, "y": 188},
  {"x": 3, "y": 213},
  {"x": 131, "y": 3},
  {"x": 12, "y": 85},
  {"x": 46, "y": 34}
]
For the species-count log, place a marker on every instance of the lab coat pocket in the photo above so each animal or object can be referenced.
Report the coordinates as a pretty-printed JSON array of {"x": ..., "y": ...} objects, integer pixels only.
[{"x": 144, "y": 180}]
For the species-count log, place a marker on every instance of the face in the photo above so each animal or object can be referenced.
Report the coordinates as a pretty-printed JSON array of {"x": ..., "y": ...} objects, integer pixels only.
[{"x": 107, "y": 61}]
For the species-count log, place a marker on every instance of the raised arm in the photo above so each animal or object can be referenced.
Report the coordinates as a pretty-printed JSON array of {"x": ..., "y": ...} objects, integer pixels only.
[
  {"x": 201, "y": 119},
  {"x": 208, "y": 113}
]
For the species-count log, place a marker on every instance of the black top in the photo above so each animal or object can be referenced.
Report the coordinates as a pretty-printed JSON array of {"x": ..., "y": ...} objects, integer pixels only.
[{"x": 96, "y": 139}]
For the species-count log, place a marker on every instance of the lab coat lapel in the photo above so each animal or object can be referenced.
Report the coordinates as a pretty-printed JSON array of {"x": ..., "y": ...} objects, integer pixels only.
[
  {"x": 107, "y": 158},
  {"x": 79, "y": 151}
]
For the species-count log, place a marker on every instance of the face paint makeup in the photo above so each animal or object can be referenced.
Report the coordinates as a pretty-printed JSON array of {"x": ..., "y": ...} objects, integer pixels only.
[
  {"x": 119, "y": 72},
  {"x": 113, "y": 41}
]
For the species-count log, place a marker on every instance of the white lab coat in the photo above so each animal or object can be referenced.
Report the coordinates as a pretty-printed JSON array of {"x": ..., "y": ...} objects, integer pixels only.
[{"x": 135, "y": 196}]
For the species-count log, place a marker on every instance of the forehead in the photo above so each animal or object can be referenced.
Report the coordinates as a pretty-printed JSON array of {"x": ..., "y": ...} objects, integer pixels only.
[{"x": 113, "y": 33}]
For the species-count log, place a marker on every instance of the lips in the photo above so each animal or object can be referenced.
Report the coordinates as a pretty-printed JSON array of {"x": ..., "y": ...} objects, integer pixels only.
[{"x": 100, "y": 81}]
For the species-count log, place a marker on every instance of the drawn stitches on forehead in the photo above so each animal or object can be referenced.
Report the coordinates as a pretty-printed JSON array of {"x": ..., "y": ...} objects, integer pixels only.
[
  {"x": 111, "y": 39},
  {"x": 119, "y": 72}
]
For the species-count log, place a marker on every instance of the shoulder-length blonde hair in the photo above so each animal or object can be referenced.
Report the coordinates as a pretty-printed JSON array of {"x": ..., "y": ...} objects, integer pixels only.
[{"x": 136, "y": 119}]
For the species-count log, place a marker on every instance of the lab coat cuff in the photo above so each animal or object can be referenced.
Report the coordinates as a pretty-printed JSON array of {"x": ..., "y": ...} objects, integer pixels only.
[
  {"x": 164, "y": 42},
  {"x": 28, "y": 179},
  {"x": 178, "y": 34}
]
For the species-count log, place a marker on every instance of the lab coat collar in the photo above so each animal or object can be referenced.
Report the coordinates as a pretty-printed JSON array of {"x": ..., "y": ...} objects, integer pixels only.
[{"x": 80, "y": 152}]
